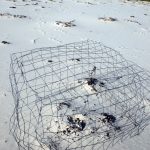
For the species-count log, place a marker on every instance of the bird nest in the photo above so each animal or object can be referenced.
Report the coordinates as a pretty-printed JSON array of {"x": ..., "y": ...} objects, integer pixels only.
[{"x": 77, "y": 96}]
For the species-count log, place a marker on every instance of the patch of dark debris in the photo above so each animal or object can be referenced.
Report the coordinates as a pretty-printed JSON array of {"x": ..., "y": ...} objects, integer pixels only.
[
  {"x": 108, "y": 19},
  {"x": 76, "y": 123},
  {"x": 62, "y": 104},
  {"x": 50, "y": 61},
  {"x": 107, "y": 118},
  {"x": 92, "y": 81},
  {"x": 132, "y": 16},
  {"x": 5, "y": 42},
  {"x": 12, "y": 7},
  {"x": 66, "y": 23},
  {"x": 110, "y": 119},
  {"x": 8, "y": 15},
  {"x": 75, "y": 59},
  {"x": 134, "y": 21}
]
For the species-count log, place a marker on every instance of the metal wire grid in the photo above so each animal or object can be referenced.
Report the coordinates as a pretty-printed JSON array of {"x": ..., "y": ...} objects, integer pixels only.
[{"x": 78, "y": 96}]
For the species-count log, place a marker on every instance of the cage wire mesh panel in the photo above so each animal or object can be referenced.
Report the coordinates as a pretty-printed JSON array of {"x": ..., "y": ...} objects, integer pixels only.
[{"x": 79, "y": 96}]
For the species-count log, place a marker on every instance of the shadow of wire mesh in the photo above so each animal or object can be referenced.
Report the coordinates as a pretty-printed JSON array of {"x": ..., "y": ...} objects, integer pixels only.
[{"x": 78, "y": 96}]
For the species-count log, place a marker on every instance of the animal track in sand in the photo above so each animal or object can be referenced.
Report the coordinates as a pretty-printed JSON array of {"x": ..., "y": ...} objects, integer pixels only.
[
  {"x": 134, "y": 21},
  {"x": 54, "y": 39},
  {"x": 143, "y": 29},
  {"x": 39, "y": 28}
]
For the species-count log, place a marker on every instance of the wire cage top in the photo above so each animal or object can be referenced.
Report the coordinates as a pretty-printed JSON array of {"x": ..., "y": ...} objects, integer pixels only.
[{"x": 78, "y": 96}]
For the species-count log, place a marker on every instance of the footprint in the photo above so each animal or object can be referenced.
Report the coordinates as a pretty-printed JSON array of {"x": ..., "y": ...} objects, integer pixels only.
[
  {"x": 58, "y": 29},
  {"x": 54, "y": 39},
  {"x": 39, "y": 29}
]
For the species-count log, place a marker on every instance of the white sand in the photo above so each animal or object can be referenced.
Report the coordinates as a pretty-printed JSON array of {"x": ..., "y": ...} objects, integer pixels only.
[{"x": 129, "y": 34}]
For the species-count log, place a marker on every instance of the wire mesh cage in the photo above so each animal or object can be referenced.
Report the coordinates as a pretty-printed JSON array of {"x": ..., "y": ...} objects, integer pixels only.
[{"x": 78, "y": 96}]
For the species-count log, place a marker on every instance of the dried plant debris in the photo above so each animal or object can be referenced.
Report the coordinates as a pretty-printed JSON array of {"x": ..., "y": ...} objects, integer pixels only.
[
  {"x": 107, "y": 19},
  {"x": 5, "y": 42},
  {"x": 107, "y": 118},
  {"x": 76, "y": 123},
  {"x": 92, "y": 81},
  {"x": 90, "y": 3},
  {"x": 62, "y": 104},
  {"x": 75, "y": 59},
  {"x": 8, "y": 15},
  {"x": 50, "y": 61},
  {"x": 12, "y": 7},
  {"x": 134, "y": 21},
  {"x": 132, "y": 16},
  {"x": 66, "y": 24}
]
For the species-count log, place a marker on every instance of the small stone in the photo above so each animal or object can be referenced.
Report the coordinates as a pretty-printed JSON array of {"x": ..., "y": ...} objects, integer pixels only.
[
  {"x": 5, "y": 42},
  {"x": 132, "y": 16},
  {"x": 6, "y": 141},
  {"x": 12, "y": 7}
]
